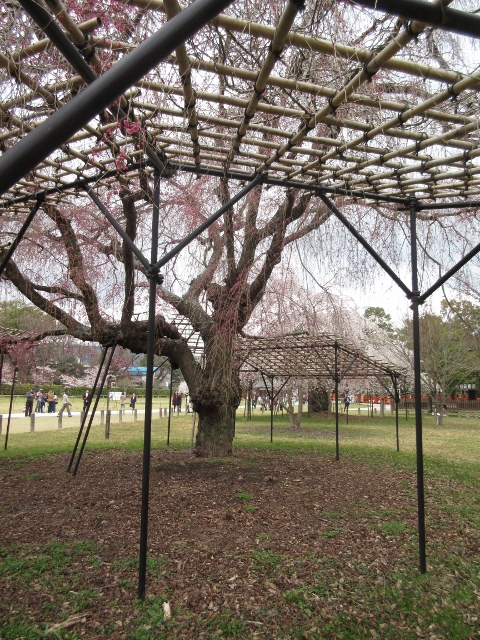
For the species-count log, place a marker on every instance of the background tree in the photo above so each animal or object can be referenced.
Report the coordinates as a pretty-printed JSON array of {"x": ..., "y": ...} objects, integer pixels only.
[{"x": 448, "y": 357}]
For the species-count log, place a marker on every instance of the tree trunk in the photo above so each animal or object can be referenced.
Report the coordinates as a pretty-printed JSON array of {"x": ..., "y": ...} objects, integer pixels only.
[
  {"x": 216, "y": 429},
  {"x": 319, "y": 400},
  {"x": 216, "y": 399},
  {"x": 300, "y": 407}
]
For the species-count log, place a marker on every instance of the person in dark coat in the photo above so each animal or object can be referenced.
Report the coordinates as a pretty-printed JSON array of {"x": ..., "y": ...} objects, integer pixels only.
[{"x": 30, "y": 396}]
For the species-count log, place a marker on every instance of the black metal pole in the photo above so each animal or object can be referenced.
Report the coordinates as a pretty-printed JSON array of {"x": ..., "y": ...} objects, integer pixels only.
[
  {"x": 64, "y": 123},
  {"x": 125, "y": 237},
  {"x": 436, "y": 14},
  {"x": 446, "y": 276},
  {"x": 271, "y": 412},
  {"x": 339, "y": 215},
  {"x": 85, "y": 413},
  {"x": 147, "y": 437},
  {"x": 20, "y": 234},
  {"x": 186, "y": 241},
  {"x": 170, "y": 405},
  {"x": 220, "y": 173},
  {"x": 10, "y": 408},
  {"x": 294, "y": 184},
  {"x": 397, "y": 399},
  {"x": 418, "y": 392},
  {"x": 92, "y": 415},
  {"x": 53, "y": 30},
  {"x": 337, "y": 450}
]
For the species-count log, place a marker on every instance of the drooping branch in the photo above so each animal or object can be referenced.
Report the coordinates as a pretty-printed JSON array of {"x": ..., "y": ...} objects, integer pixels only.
[{"x": 29, "y": 290}]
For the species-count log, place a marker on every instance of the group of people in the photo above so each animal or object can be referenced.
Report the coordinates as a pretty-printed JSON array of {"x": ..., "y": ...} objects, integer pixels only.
[
  {"x": 177, "y": 402},
  {"x": 41, "y": 399},
  {"x": 49, "y": 399}
]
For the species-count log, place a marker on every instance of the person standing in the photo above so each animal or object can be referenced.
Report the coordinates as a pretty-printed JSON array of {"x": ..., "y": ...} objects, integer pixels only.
[
  {"x": 123, "y": 399},
  {"x": 43, "y": 400},
  {"x": 30, "y": 395},
  {"x": 179, "y": 402},
  {"x": 86, "y": 399},
  {"x": 133, "y": 400},
  {"x": 51, "y": 401},
  {"x": 38, "y": 406},
  {"x": 66, "y": 404}
]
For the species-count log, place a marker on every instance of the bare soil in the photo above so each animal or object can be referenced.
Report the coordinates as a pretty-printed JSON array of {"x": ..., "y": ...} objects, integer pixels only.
[{"x": 232, "y": 544}]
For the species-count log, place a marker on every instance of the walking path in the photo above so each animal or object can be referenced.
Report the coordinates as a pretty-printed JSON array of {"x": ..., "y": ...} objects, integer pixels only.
[{"x": 20, "y": 423}]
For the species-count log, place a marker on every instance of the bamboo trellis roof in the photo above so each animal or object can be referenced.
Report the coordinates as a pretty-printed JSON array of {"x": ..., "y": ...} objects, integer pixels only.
[
  {"x": 335, "y": 95},
  {"x": 12, "y": 336},
  {"x": 308, "y": 356}
]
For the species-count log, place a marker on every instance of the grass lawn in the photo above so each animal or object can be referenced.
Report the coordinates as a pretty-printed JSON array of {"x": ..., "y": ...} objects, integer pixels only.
[{"x": 279, "y": 542}]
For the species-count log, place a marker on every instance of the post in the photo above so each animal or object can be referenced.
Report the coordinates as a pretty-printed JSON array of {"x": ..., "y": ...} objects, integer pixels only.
[
  {"x": 102, "y": 417},
  {"x": 135, "y": 417},
  {"x": 418, "y": 389},
  {"x": 32, "y": 422},
  {"x": 107, "y": 425},
  {"x": 60, "y": 418}
]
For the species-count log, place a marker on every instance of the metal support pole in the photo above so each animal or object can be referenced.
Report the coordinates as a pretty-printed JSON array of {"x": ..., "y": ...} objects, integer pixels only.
[
  {"x": 121, "y": 232},
  {"x": 432, "y": 13},
  {"x": 55, "y": 33},
  {"x": 107, "y": 421},
  {"x": 21, "y": 233},
  {"x": 271, "y": 412},
  {"x": 337, "y": 452},
  {"x": 397, "y": 399},
  {"x": 205, "y": 225},
  {"x": 339, "y": 215},
  {"x": 170, "y": 405},
  {"x": 97, "y": 399},
  {"x": 418, "y": 391},
  {"x": 10, "y": 408},
  {"x": 85, "y": 413},
  {"x": 147, "y": 438}
]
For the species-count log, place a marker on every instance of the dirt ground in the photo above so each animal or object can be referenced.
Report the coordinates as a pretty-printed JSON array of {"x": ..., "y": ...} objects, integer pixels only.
[{"x": 228, "y": 541}]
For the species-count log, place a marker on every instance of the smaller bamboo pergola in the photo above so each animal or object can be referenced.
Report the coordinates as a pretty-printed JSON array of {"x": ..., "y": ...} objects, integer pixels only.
[{"x": 301, "y": 355}]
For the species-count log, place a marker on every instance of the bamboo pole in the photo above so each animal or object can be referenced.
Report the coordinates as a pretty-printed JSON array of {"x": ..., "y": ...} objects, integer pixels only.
[{"x": 317, "y": 45}]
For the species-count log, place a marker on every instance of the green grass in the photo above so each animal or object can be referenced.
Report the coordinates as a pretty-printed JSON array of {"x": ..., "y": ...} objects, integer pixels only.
[
  {"x": 267, "y": 559},
  {"x": 244, "y": 496}
]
